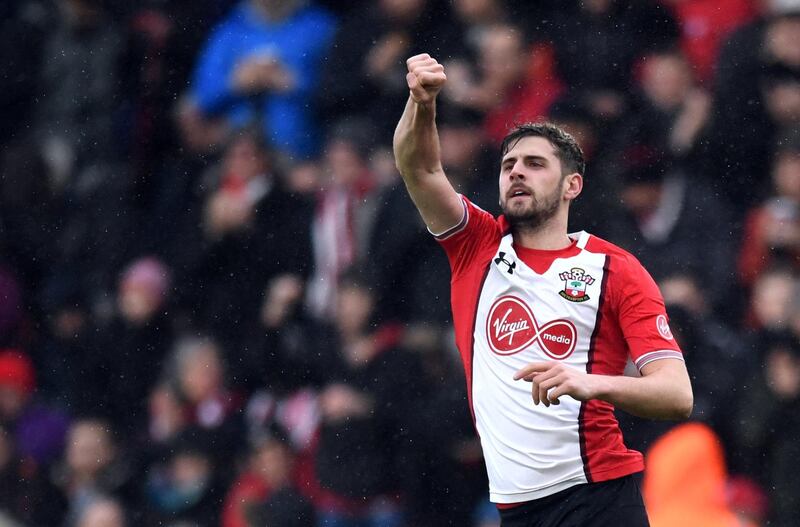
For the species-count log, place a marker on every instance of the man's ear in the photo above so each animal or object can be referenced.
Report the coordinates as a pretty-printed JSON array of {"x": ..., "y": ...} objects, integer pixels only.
[{"x": 573, "y": 185}]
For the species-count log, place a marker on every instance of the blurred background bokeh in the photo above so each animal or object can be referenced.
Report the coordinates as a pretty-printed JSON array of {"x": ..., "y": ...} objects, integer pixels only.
[{"x": 218, "y": 305}]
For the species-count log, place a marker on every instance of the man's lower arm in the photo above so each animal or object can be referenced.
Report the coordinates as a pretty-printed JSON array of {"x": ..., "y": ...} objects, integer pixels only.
[
  {"x": 652, "y": 397},
  {"x": 416, "y": 142}
]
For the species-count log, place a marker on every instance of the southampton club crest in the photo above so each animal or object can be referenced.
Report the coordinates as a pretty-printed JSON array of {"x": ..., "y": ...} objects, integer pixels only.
[{"x": 575, "y": 282}]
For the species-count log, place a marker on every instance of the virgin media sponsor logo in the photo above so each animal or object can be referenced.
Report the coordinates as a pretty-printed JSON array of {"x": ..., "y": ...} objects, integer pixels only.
[{"x": 511, "y": 327}]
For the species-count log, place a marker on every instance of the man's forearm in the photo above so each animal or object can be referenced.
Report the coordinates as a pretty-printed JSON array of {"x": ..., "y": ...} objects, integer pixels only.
[
  {"x": 653, "y": 397},
  {"x": 664, "y": 390},
  {"x": 416, "y": 147},
  {"x": 416, "y": 142}
]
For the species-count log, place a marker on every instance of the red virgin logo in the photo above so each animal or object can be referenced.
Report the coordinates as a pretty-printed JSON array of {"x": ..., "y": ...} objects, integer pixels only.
[{"x": 511, "y": 327}]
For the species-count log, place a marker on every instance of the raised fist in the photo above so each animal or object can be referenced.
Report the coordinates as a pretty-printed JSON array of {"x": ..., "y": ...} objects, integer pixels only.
[{"x": 425, "y": 78}]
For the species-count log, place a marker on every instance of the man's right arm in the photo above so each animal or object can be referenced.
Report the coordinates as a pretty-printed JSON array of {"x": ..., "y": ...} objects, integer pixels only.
[{"x": 416, "y": 148}]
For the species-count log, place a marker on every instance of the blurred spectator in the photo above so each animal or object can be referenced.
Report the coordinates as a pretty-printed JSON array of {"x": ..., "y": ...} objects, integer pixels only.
[
  {"x": 673, "y": 223},
  {"x": 685, "y": 477},
  {"x": 261, "y": 63},
  {"x": 267, "y": 493},
  {"x": 475, "y": 18},
  {"x": 364, "y": 74},
  {"x": 576, "y": 118},
  {"x": 37, "y": 430},
  {"x": 781, "y": 92},
  {"x": 128, "y": 353},
  {"x": 597, "y": 44},
  {"x": 77, "y": 130},
  {"x": 514, "y": 83},
  {"x": 345, "y": 210},
  {"x": 250, "y": 230},
  {"x": 165, "y": 38},
  {"x": 25, "y": 490},
  {"x": 103, "y": 512},
  {"x": 443, "y": 434},
  {"x": 280, "y": 353},
  {"x": 363, "y": 424},
  {"x": 716, "y": 358},
  {"x": 93, "y": 467},
  {"x": 590, "y": 211},
  {"x": 669, "y": 113},
  {"x": 184, "y": 486},
  {"x": 468, "y": 158},
  {"x": 672, "y": 110},
  {"x": 772, "y": 302},
  {"x": 704, "y": 26},
  {"x": 715, "y": 353},
  {"x": 244, "y": 181},
  {"x": 768, "y": 424},
  {"x": 64, "y": 350},
  {"x": 143, "y": 290},
  {"x": 80, "y": 90},
  {"x": 405, "y": 264},
  {"x": 756, "y": 94},
  {"x": 772, "y": 230},
  {"x": 304, "y": 178},
  {"x": 281, "y": 301},
  {"x": 197, "y": 370},
  {"x": 167, "y": 418},
  {"x": 747, "y": 499}
]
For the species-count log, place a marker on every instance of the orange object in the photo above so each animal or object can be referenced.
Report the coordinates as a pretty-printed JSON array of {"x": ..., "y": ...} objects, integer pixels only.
[{"x": 684, "y": 483}]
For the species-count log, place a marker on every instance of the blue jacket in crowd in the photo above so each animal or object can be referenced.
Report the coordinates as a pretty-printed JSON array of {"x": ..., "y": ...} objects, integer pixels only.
[{"x": 299, "y": 42}]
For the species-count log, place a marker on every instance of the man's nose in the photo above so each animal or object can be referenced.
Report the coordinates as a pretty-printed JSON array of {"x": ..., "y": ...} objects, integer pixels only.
[{"x": 516, "y": 172}]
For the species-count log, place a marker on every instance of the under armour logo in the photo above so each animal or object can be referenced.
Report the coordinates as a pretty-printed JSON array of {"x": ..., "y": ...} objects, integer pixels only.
[{"x": 502, "y": 259}]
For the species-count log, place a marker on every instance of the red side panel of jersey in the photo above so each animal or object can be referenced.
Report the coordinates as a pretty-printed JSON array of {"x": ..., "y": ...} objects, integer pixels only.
[
  {"x": 469, "y": 249},
  {"x": 604, "y": 453},
  {"x": 465, "y": 307}
]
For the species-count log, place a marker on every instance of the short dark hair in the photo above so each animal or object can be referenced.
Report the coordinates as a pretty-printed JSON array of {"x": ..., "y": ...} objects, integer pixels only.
[{"x": 567, "y": 149}]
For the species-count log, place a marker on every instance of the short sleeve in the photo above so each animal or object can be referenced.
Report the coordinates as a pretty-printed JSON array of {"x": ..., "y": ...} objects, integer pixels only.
[
  {"x": 642, "y": 314},
  {"x": 477, "y": 230}
]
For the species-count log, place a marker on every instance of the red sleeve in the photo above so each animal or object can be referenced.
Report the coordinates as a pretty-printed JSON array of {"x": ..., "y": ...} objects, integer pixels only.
[
  {"x": 641, "y": 312},
  {"x": 475, "y": 231}
]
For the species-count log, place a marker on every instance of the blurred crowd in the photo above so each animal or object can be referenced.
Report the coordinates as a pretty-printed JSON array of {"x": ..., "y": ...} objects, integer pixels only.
[{"x": 218, "y": 305}]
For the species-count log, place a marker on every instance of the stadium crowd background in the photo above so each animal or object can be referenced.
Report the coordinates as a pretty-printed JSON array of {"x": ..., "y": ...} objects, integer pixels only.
[{"x": 218, "y": 306}]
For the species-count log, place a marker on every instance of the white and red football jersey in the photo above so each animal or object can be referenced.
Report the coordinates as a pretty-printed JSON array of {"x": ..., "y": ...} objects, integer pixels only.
[{"x": 590, "y": 305}]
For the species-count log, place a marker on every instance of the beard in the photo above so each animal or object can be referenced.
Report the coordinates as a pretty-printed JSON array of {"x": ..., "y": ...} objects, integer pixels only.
[{"x": 532, "y": 217}]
